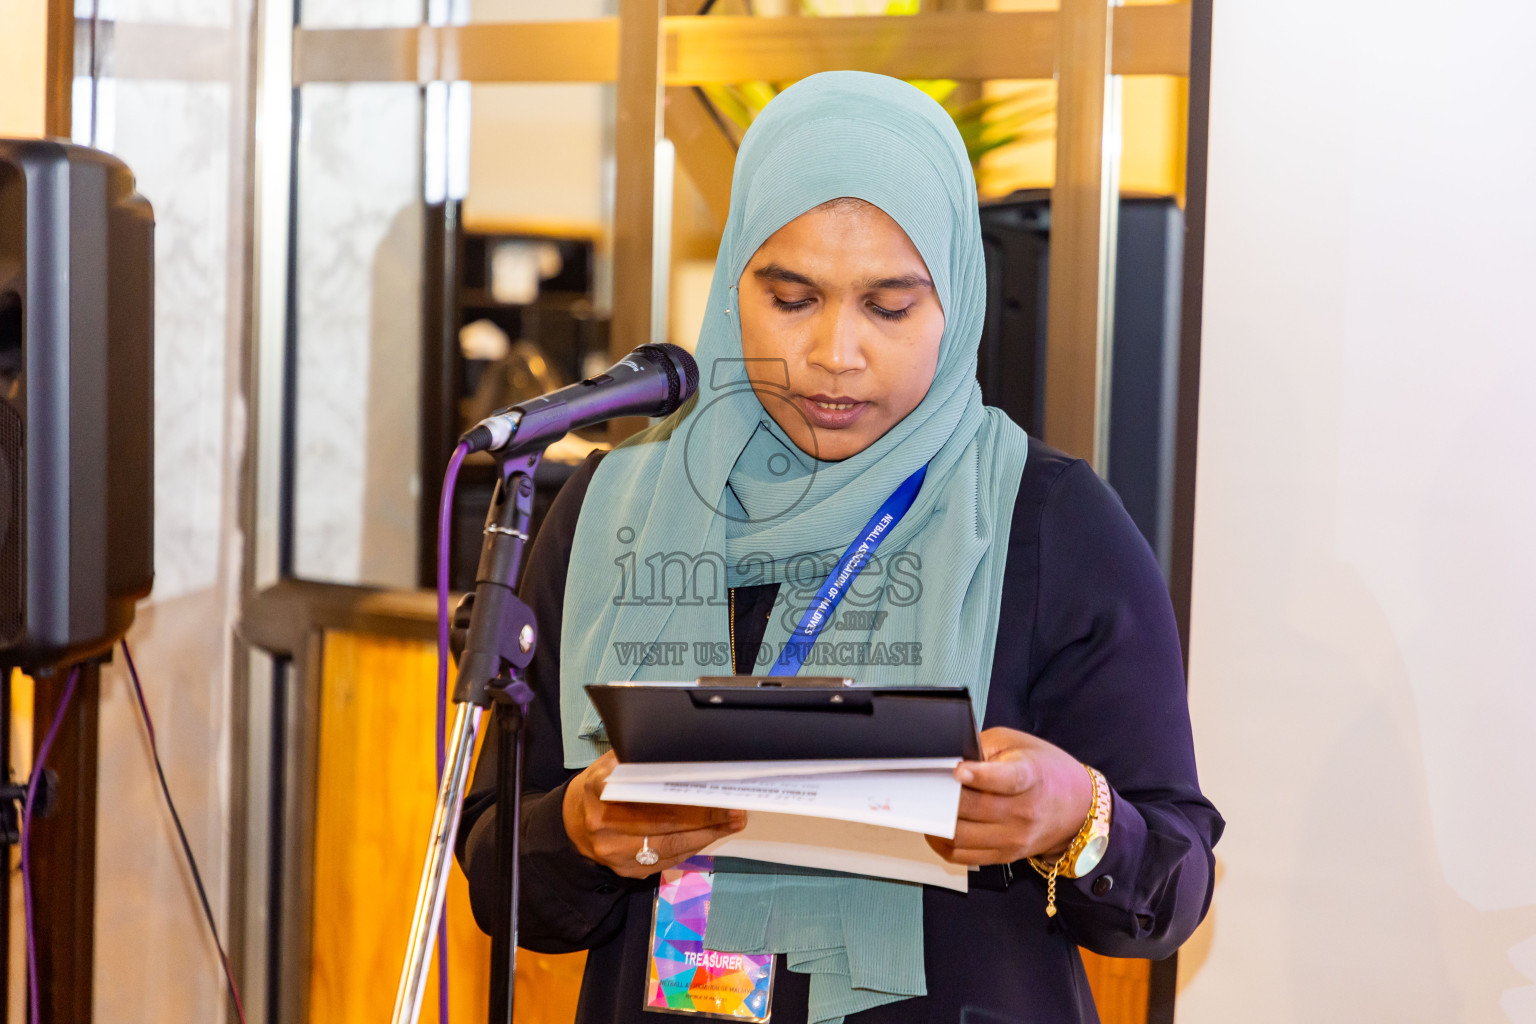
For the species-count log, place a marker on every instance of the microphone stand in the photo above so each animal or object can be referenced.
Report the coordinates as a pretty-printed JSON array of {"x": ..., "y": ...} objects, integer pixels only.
[{"x": 498, "y": 646}]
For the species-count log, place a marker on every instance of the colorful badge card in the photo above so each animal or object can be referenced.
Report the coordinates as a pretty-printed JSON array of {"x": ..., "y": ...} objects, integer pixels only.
[{"x": 683, "y": 976}]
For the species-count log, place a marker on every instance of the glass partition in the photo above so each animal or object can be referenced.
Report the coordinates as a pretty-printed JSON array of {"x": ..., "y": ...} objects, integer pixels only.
[{"x": 357, "y": 332}]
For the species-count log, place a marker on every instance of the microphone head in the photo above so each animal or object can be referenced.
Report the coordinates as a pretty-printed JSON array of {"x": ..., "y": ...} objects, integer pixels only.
[{"x": 681, "y": 369}]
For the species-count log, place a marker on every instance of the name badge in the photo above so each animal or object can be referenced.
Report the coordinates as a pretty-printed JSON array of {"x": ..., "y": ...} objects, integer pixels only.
[{"x": 684, "y": 977}]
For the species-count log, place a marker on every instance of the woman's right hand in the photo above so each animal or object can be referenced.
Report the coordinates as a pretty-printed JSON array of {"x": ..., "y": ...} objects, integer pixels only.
[{"x": 612, "y": 833}]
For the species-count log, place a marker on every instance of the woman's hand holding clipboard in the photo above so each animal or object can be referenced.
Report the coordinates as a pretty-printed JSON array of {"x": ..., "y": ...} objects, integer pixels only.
[{"x": 612, "y": 834}]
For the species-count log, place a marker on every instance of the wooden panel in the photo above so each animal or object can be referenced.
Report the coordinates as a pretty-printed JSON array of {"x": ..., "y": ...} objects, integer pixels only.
[
  {"x": 638, "y": 129},
  {"x": 637, "y": 271},
  {"x": 969, "y": 45},
  {"x": 547, "y": 987},
  {"x": 20, "y": 748},
  {"x": 279, "y": 618},
  {"x": 374, "y": 808},
  {"x": 1119, "y": 988},
  {"x": 553, "y": 51},
  {"x": 573, "y": 51},
  {"x": 703, "y": 148},
  {"x": 63, "y": 850},
  {"x": 61, "y": 67},
  {"x": 1149, "y": 40}
]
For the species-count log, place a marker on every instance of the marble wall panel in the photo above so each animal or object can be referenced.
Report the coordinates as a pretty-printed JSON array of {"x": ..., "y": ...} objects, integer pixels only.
[
  {"x": 175, "y": 137},
  {"x": 359, "y": 334},
  {"x": 160, "y": 12}
]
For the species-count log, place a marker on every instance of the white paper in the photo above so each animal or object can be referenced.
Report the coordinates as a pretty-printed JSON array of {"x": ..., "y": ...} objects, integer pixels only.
[
  {"x": 864, "y": 817},
  {"x": 841, "y": 846},
  {"x": 912, "y": 800}
]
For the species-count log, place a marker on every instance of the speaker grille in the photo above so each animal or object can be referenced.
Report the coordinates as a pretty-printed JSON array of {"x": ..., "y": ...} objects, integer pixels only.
[{"x": 12, "y": 494}]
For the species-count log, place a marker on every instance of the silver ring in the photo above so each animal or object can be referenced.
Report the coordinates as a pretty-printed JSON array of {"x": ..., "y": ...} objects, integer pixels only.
[{"x": 645, "y": 855}]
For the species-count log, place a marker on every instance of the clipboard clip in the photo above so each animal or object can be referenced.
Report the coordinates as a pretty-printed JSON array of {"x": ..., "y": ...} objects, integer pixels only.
[
  {"x": 774, "y": 682},
  {"x": 783, "y": 693}
]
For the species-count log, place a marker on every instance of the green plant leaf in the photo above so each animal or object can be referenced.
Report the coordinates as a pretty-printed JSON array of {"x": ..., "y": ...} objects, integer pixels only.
[
  {"x": 756, "y": 95},
  {"x": 729, "y": 103},
  {"x": 936, "y": 89}
]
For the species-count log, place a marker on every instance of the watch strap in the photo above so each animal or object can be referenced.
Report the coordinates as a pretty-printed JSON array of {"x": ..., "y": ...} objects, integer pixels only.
[{"x": 1095, "y": 824}]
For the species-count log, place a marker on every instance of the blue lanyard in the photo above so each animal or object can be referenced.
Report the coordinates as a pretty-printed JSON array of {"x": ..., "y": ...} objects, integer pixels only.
[{"x": 816, "y": 617}]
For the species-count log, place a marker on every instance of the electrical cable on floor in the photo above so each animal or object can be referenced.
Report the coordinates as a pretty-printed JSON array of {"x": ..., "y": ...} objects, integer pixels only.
[{"x": 186, "y": 847}]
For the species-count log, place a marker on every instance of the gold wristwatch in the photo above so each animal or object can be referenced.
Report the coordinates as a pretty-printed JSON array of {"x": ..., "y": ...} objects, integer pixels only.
[
  {"x": 1087, "y": 847},
  {"x": 1092, "y": 839}
]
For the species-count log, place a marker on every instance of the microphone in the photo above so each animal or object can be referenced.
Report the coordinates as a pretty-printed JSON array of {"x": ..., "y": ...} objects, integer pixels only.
[{"x": 653, "y": 380}]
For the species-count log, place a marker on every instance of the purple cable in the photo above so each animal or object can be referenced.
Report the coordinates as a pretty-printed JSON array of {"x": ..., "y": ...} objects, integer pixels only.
[
  {"x": 444, "y": 534},
  {"x": 26, "y": 834}
]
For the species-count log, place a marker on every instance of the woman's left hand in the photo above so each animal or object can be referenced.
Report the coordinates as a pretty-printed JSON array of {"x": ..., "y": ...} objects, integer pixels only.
[{"x": 1028, "y": 798}]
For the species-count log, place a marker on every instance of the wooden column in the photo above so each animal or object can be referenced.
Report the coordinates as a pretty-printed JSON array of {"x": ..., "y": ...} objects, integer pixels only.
[
  {"x": 636, "y": 134},
  {"x": 703, "y": 148},
  {"x": 63, "y": 851},
  {"x": 638, "y": 131},
  {"x": 1083, "y": 211},
  {"x": 60, "y": 67},
  {"x": 1079, "y": 339}
]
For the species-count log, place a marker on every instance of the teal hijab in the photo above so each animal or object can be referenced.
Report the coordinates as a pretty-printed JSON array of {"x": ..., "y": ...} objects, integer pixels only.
[{"x": 716, "y": 496}]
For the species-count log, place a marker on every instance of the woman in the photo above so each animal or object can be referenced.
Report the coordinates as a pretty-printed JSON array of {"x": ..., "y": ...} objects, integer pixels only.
[{"x": 838, "y": 359}]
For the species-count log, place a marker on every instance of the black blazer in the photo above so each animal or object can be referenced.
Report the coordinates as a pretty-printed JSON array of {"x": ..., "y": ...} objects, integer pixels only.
[{"x": 1087, "y": 657}]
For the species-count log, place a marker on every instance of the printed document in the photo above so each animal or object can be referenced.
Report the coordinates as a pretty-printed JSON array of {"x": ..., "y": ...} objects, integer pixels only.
[{"x": 864, "y": 817}]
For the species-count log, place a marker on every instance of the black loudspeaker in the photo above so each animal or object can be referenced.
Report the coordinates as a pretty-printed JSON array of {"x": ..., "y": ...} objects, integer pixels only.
[
  {"x": 1144, "y": 362},
  {"x": 76, "y": 402}
]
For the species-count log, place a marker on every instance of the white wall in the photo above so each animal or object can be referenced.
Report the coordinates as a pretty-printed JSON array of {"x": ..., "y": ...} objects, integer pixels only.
[{"x": 1362, "y": 662}]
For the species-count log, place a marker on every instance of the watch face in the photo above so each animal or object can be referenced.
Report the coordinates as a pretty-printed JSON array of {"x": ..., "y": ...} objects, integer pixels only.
[{"x": 1093, "y": 852}]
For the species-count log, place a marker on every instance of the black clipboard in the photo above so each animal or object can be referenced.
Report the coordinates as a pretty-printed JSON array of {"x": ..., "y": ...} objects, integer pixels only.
[{"x": 750, "y": 718}]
